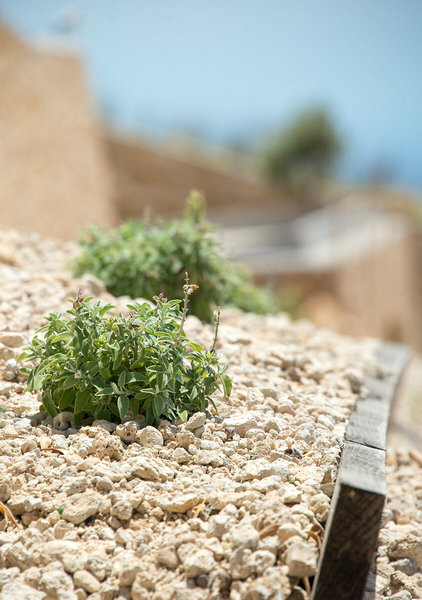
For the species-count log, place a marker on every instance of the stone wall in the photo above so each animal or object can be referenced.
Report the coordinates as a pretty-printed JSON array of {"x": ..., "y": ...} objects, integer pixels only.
[
  {"x": 151, "y": 180},
  {"x": 54, "y": 175},
  {"x": 374, "y": 295}
]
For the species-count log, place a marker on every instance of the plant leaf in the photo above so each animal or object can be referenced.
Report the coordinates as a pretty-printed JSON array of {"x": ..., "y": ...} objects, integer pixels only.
[
  {"x": 48, "y": 404},
  {"x": 123, "y": 406},
  {"x": 227, "y": 383}
]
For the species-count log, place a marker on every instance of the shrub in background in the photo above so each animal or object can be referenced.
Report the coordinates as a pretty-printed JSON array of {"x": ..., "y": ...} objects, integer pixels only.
[
  {"x": 138, "y": 259},
  {"x": 304, "y": 150},
  {"x": 105, "y": 368}
]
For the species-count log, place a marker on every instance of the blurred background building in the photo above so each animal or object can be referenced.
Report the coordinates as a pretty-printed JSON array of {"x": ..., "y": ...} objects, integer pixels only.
[{"x": 300, "y": 124}]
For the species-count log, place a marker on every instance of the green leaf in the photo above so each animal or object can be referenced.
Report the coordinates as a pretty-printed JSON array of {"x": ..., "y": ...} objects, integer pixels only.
[
  {"x": 104, "y": 309},
  {"x": 117, "y": 358},
  {"x": 113, "y": 408},
  {"x": 78, "y": 417},
  {"x": 83, "y": 401},
  {"x": 122, "y": 379},
  {"x": 183, "y": 415},
  {"x": 123, "y": 406},
  {"x": 106, "y": 391},
  {"x": 134, "y": 406},
  {"x": 70, "y": 382},
  {"x": 104, "y": 371},
  {"x": 48, "y": 404},
  {"x": 227, "y": 384},
  {"x": 115, "y": 388},
  {"x": 66, "y": 399},
  {"x": 38, "y": 381},
  {"x": 101, "y": 412},
  {"x": 157, "y": 406}
]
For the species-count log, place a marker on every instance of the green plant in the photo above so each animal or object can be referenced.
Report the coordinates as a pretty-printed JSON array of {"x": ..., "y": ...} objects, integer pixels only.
[
  {"x": 104, "y": 368},
  {"x": 138, "y": 259},
  {"x": 302, "y": 151}
]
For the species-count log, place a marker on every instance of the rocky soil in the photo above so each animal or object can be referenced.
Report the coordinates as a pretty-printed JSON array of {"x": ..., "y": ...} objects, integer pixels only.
[{"x": 229, "y": 505}]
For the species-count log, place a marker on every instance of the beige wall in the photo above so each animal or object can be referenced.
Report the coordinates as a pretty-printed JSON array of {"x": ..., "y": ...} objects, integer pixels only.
[
  {"x": 378, "y": 294},
  {"x": 381, "y": 290},
  {"x": 148, "y": 180},
  {"x": 54, "y": 175}
]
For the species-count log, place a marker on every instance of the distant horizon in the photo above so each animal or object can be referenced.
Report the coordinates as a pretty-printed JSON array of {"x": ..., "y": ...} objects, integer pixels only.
[{"x": 232, "y": 73}]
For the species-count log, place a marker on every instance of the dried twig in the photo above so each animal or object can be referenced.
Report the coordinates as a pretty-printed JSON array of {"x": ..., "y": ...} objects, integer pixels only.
[
  {"x": 198, "y": 510},
  {"x": 8, "y": 515}
]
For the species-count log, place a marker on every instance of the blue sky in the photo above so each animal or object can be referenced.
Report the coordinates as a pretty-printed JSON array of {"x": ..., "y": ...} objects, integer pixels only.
[{"x": 238, "y": 69}]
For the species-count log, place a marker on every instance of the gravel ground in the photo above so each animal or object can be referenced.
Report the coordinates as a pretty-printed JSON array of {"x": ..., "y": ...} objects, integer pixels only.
[{"x": 229, "y": 505}]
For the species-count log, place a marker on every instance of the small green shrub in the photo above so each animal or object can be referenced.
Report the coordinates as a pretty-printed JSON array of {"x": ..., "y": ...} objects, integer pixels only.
[
  {"x": 304, "y": 150},
  {"x": 138, "y": 259},
  {"x": 104, "y": 368}
]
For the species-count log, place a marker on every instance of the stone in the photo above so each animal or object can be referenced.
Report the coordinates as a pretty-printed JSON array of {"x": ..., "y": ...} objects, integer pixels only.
[
  {"x": 18, "y": 555},
  {"x": 320, "y": 506},
  {"x": 146, "y": 579},
  {"x": 399, "y": 581},
  {"x": 145, "y": 468},
  {"x": 284, "y": 406},
  {"x": 290, "y": 494},
  {"x": 5, "y": 489},
  {"x": 199, "y": 431},
  {"x": 265, "y": 588},
  {"x": 167, "y": 556},
  {"x": 67, "y": 552},
  {"x": 407, "y": 546},
  {"x": 106, "y": 425},
  {"x": 184, "y": 439},
  {"x": 240, "y": 567},
  {"x": 17, "y": 590},
  {"x": 79, "y": 507},
  {"x": 86, "y": 581},
  {"x": 261, "y": 467},
  {"x": 6, "y": 352},
  {"x": 273, "y": 482},
  {"x": 326, "y": 421},
  {"x": 96, "y": 562},
  {"x": 405, "y": 565},
  {"x": 55, "y": 581},
  {"x": 5, "y": 388},
  {"x": 181, "y": 456},
  {"x": 104, "y": 483},
  {"x": 150, "y": 436},
  {"x": 301, "y": 558},
  {"x": 8, "y": 575},
  {"x": 244, "y": 535},
  {"x": 122, "y": 509},
  {"x": 125, "y": 567},
  {"x": 210, "y": 457},
  {"x": 241, "y": 423},
  {"x": 355, "y": 379},
  {"x": 197, "y": 420},
  {"x": 32, "y": 576},
  {"x": 261, "y": 560},
  {"x": 402, "y": 595},
  {"x": 64, "y": 420},
  {"x": 12, "y": 339},
  {"x": 11, "y": 370},
  {"x": 219, "y": 525},
  {"x": 179, "y": 504},
  {"x": 105, "y": 445},
  {"x": 305, "y": 432},
  {"x": 127, "y": 431},
  {"x": 91, "y": 285},
  {"x": 75, "y": 485},
  {"x": 197, "y": 562}
]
